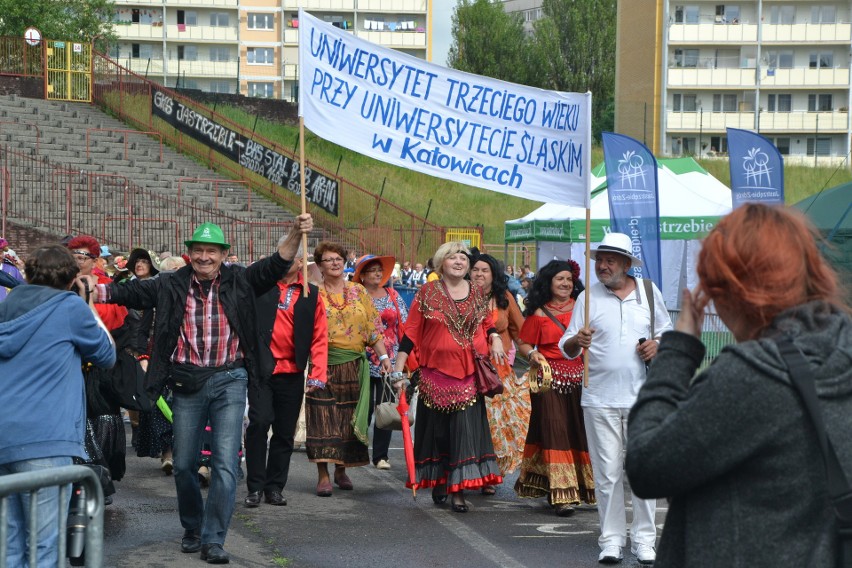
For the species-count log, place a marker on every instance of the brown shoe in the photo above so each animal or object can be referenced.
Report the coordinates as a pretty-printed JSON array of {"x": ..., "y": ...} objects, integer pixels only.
[
  {"x": 342, "y": 480},
  {"x": 324, "y": 488}
]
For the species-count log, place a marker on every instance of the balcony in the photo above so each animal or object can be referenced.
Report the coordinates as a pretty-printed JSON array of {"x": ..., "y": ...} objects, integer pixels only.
[
  {"x": 329, "y": 5},
  {"x": 392, "y": 6},
  {"x": 800, "y": 77},
  {"x": 181, "y": 3},
  {"x": 701, "y": 77},
  {"x": 178, "y": 33},
  {"x": 209, "y": 69},
  {"x": 796, "y": 121},
  {"x": 128, "y": 31},
  {"x": 771, "y": 33},
  {"x": 395, "y": 39}
]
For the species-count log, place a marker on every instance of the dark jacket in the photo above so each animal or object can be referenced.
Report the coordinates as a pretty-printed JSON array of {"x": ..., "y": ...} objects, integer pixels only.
[
  {"x": 735, "y": 450},
  {"x": 168, "y": 293}
]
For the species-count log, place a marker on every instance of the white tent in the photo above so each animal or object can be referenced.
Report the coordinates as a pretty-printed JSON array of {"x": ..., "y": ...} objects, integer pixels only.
[{"x": 691, "y": 203}]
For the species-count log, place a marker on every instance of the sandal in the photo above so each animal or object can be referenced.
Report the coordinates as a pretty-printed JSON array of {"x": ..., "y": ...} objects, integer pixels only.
[
  {"x": 489, "y": 490},
  {"x": 439, "y": 494}
]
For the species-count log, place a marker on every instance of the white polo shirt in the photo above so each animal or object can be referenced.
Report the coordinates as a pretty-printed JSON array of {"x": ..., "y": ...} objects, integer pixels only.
[{"x": 616, "y": 372}]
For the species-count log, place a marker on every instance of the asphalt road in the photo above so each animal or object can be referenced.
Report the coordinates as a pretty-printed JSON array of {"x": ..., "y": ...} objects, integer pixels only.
[{"x": 377, "y": 525}]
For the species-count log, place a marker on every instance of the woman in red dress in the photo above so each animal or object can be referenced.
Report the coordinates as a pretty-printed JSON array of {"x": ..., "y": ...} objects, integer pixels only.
[
  {"x": 452, "y": 441},
  {"x": 556, "y": 455}
]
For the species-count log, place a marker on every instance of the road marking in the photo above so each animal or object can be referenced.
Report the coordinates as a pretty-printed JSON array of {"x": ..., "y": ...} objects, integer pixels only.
[{"x": 443, "y": 517}]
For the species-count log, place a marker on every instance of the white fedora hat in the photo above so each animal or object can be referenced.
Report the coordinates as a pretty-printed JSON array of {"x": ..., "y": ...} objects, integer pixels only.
[{"x": 617, "y": 243}]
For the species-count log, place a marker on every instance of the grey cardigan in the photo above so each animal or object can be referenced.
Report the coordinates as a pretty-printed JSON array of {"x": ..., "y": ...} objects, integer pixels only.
[{"x": 735, "y": 451}]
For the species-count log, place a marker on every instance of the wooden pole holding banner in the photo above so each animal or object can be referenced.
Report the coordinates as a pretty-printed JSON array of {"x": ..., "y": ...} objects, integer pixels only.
[
  {"x": 307, "y": 288},
  {"x": 588, "y": 293}
]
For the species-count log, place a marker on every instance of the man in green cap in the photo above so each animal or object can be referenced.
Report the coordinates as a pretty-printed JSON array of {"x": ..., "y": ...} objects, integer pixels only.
[{"x": 205, "y": 345}]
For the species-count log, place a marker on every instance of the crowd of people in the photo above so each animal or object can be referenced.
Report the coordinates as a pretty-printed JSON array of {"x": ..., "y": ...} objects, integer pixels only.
[{"x": 231, "y": 353}]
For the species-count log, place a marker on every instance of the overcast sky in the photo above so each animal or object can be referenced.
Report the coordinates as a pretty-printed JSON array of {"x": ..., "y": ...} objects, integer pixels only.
[{"x": 442, "y": 13}]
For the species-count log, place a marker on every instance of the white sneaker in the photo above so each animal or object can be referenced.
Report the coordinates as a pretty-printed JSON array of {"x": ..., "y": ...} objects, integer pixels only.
[
  {"x": 645, "y": 554},
  {"x": 383, "y": 464},
  {"x": 610, "y": 555}
]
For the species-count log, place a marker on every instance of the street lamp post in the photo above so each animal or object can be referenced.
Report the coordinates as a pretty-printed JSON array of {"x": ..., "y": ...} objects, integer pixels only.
[{"x": 700, "y": 129}]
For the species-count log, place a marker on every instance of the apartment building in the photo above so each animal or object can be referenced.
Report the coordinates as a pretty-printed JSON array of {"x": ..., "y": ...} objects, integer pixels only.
[
  {"x": 688, "y": 69},
  {"x": 251, "y": 46}
]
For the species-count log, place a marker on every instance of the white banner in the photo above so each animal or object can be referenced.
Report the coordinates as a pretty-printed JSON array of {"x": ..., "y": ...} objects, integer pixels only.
[{"x": 467, "y": 128}]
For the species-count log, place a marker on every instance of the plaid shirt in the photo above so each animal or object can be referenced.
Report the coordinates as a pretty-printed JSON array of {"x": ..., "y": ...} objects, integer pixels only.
[{"x": 206, "y": 338}]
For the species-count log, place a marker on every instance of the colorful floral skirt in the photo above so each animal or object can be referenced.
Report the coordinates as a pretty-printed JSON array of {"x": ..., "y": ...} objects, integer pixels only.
[
  {"x": 556, "y": 460},
  {"x": 508, "y": 418},
  {"x": 330, "y": 436},
  {"x": 454, "y": 447}
]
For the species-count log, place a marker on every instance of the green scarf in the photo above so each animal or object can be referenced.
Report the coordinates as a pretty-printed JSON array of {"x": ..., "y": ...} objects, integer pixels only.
[{"x": 362, "y": 410}]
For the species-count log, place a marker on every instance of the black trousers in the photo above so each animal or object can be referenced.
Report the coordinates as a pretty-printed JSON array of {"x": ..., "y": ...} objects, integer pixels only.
[
  {"x": 283, "y": 392},
  {"x": 381, "y": 437}
]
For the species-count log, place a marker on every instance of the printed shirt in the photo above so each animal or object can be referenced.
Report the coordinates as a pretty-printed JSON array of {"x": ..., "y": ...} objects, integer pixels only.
[
  {"x": 616, "y": 372},
  {"x": 283, "y": 342},
  {"x": 353, "y": 322},
  {"x": 393, "y": 312},
  {"x": 206, "y": 338}
]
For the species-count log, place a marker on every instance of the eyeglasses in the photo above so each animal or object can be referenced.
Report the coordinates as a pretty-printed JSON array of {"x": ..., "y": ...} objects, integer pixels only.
[
  {"x": 83, "y": 253},
  {"x": 332, "y": 260}
]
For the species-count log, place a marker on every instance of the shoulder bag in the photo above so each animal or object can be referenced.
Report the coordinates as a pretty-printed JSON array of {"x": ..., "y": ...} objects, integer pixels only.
[{"x": 838, "y": 485}]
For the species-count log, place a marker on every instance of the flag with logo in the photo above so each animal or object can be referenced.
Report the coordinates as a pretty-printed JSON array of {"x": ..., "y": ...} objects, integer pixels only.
[
  {"x": 631, "y": 178},
  {"x": 757, "y": 169}
]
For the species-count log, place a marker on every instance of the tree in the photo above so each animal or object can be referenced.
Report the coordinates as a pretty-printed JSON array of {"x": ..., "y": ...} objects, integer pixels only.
[
  {"x": 66, "y": 20},
  {"x": 575, "y": 51},
  {"x": 488, "y": 41}
]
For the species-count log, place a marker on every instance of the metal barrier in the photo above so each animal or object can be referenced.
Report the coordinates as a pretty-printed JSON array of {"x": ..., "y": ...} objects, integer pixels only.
[{"x": 62, "y": 477}]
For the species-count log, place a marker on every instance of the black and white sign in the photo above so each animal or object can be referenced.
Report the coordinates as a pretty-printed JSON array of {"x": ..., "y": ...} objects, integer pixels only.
[{"x": 277, "y": 168}]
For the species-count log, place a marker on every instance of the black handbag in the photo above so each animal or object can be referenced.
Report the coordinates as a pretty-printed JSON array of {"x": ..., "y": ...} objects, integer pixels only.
[{"x": 838, "y": 485}]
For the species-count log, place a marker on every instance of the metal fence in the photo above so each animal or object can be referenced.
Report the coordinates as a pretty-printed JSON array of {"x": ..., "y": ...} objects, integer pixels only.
[
  {"x": 60, "y": 477},
  {"x": 714, "y": 334}
]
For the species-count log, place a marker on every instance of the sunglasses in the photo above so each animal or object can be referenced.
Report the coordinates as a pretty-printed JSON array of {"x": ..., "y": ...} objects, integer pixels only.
[{"x": 83, "y": 253}]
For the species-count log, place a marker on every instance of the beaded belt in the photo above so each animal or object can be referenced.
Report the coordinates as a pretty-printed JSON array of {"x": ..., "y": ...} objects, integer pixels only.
[
  {"x": 443, "y": 393},
  {"x": 564, "y": 376}
]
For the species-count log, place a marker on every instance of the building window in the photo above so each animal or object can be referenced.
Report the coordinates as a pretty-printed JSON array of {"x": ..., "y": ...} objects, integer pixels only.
[
  {"x": 261, "y": 21},
  {"x": 823, "y": 14},
  {"x": 719, "y": 144},
  {"x": 686, "y": 58},
  {"x": 819, "y": 103},
  {"x": 260, "y": 55},
  {"x": 187, "y": 52},
  {"x": 724, "y": 103},
  {"x": 187, "y": 18},
  {"x": 262, "y": 90},
  {"x": 785, "y": 15},
  {"x": 220, "y": 54},
  {"x": 219, "y": 19},
  {"x": 783, "y": 145},
  {"x": 221, "y": 87},
  {"x": 727, "y": 14},
  {"x": 141, "y": 51},
  {"x": 532, "y": 15},
  {"x": 684, "y": 103},
  {"x": 779, "y": 103},
  {"x": 823, "y": 146},
  {"x": 184, "y": 83},
  {"x": 824, "y": 60},
  {"x": 779, "y": 59}
]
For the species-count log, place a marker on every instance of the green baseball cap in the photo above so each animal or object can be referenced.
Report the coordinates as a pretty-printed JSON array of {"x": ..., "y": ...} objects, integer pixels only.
[{"x": 208, "y": 233}]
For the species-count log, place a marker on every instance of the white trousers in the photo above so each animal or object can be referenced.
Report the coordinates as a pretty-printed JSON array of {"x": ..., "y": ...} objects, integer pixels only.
[{"x": 606, "y": 431}]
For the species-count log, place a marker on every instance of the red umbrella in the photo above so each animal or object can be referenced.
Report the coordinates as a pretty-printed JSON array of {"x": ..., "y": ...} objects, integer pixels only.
[{"x": 407, "y": 443}]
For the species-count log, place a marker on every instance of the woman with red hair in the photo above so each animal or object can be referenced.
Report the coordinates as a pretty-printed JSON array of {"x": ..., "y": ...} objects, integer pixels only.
[{"x": 732, "y": 446}]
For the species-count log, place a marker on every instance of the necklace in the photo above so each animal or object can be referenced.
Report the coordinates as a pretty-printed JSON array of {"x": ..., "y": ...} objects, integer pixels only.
[
  {"x": 560, "y": 307},
  {"x": 331, "y": 301}
]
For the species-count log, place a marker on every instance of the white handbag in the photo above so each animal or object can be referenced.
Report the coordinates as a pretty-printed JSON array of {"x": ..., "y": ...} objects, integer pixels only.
[{"x": 387, "y": 415}]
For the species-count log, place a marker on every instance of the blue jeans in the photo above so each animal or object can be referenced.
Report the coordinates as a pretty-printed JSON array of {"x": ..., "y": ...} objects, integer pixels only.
[
  {"x": 222, "y": 401},
  {"x": 47, "y": 515}
]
